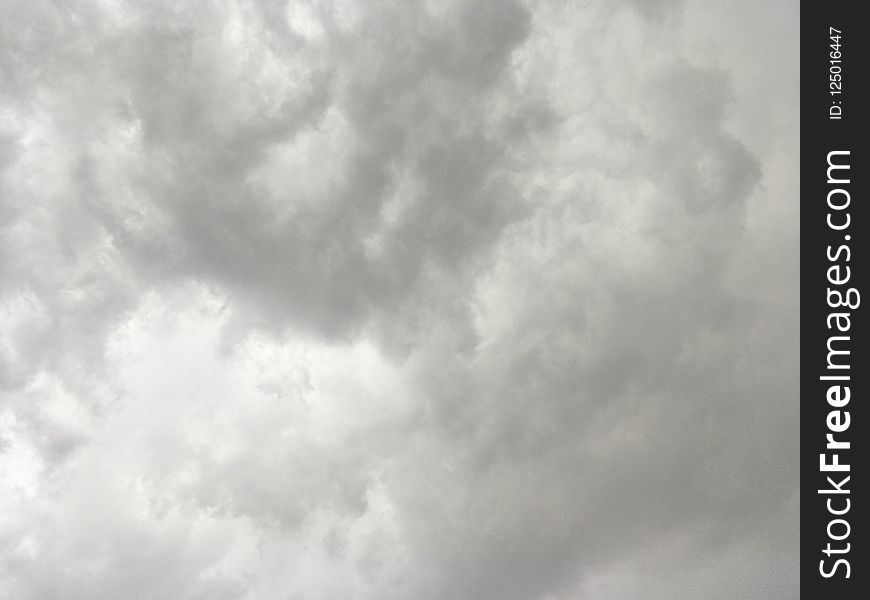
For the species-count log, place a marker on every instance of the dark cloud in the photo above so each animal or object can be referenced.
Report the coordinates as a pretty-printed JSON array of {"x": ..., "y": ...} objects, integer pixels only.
[{"x": 396, "y": 299}]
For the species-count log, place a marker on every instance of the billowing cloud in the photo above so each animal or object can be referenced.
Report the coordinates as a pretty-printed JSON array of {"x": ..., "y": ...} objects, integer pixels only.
[{"x": 389, "y": 300}]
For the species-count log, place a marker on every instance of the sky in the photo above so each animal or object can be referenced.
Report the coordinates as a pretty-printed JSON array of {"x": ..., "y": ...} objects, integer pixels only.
[{"x": 399, "y": 299}]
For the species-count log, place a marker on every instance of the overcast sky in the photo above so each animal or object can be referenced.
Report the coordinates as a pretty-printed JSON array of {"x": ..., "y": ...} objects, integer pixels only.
[{"x": 393, "y": 300}]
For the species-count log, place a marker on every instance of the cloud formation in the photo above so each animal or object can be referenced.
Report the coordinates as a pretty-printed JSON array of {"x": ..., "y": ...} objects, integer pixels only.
[{"x": 388, "y": 300}]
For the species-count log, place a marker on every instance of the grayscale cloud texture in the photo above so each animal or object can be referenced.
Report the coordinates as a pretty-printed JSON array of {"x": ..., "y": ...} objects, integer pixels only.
[{"x": 442, "y": 300}]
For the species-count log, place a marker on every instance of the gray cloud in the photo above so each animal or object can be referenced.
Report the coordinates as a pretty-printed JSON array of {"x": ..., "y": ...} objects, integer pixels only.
[{"x": 397, "y": 299}]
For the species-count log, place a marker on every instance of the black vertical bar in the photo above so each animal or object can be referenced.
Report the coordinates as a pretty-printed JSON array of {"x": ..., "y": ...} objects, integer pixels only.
[{"x": 834, "y": 217}]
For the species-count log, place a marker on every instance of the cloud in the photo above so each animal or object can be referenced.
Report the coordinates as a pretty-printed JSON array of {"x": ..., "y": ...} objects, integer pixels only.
[{"x": 396, "y": 299}]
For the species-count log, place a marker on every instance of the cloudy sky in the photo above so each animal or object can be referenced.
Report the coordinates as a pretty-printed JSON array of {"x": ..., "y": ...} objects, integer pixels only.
[{"x": 394, "y": 299}]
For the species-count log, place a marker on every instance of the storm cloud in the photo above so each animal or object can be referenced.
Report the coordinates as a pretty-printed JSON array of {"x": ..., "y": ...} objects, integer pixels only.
[{"x": 398, "y": 299}]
